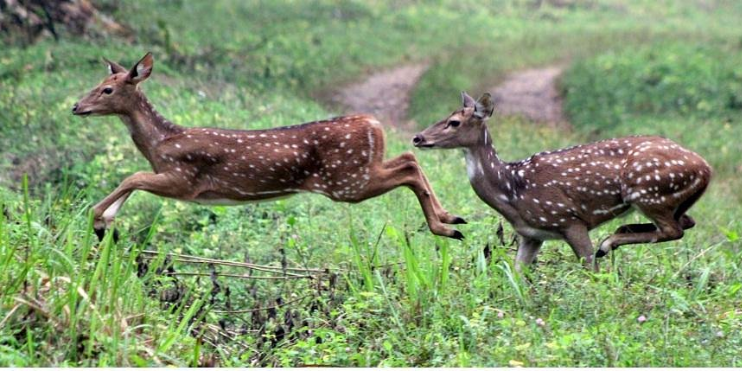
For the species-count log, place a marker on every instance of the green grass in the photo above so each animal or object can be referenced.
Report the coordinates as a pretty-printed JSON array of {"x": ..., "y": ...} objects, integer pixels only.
[{"x": 398, "y": 295}]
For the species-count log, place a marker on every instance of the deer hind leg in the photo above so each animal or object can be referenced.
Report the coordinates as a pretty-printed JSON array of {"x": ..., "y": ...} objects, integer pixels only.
[
  {"x": 680, "y": 214},
  {"x": 682, "y": 221},
  {"x": 409, "y": 174},
  {"x": 686, "y": 222},
  {"x": 443, "y": 215},
  {"x": 665, "y": 228},
  {"x": 105, "y": 211}
]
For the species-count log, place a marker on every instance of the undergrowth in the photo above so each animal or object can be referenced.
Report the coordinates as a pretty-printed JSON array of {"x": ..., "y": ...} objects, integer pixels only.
[{"x": 381, "y": 291}]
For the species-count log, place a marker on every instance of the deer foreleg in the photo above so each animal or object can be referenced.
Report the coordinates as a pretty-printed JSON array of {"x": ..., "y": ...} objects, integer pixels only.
[
  {"x": 527, "y": 250},
  {"x": 579, "y": 240},
  {"x": 105, "y": 211}
]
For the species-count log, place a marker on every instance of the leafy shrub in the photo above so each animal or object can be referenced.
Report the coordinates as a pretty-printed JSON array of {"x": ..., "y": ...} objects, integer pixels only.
[{"x": 679, "y": 79}]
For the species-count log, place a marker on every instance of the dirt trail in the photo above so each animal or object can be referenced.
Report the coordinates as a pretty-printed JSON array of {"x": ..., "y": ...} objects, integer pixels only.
[
  {"x": 383, "y": 94},
  {"x": 531, "y": 93},
  {"x": 386, "y": 94}
]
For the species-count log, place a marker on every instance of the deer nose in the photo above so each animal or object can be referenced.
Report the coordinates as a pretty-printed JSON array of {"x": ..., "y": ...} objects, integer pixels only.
[
  {"x": 418, "y": 140},
  {"x": 74, "y": 108}
]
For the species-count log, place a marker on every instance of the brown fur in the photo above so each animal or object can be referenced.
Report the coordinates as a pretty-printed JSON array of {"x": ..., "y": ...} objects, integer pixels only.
[{"x": 341, "y": 158}]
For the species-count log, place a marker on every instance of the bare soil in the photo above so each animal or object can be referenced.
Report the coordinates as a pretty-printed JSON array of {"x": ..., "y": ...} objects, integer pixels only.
[
  {"x": 384, "y": 94},
  {"x": 531, "y": 93}
]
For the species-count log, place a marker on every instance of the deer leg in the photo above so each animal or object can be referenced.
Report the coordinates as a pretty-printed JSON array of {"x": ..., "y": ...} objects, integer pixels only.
[
  {"x": 685, "y": 221},
  {"x": 636, "y": 228},
  {"x": 527, "y": 250},
  {"x": 106, "y": 218},
  {"x": 407, "y": 174},
  {"x": 579, "y": 240},
  {"x": 105, "y": 211},
  {"x": 442, "y": 214},
  {"x": 666, "y": 229}
]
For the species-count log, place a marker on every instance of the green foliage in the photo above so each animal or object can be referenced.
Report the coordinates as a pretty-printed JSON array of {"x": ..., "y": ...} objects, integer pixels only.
[
  {"x": 704, "y": 81},
  {"x": 401, "y": 297}
]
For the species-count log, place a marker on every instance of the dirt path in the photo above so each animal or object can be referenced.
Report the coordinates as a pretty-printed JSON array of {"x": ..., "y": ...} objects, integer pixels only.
[
  {"x": 531, "y": 93},
  {"x": 384, "y": 94}
]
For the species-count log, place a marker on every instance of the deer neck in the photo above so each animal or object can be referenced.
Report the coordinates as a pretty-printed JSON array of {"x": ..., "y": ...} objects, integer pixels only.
[
  {"x": 488, "y": 175},
  {"x": 147, "y": 127}
]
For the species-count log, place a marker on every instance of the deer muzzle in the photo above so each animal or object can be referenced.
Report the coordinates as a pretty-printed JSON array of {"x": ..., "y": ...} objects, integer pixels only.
[
  {"x": 420, "y": 142},
  {"x": 78, "y": 112}
]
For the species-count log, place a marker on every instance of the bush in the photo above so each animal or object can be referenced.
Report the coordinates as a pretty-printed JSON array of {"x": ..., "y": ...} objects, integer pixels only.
[{"x": 699, "y": 80}]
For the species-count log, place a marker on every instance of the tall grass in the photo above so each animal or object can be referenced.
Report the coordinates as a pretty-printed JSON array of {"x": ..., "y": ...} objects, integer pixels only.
[{"x": 400, "y": 296}]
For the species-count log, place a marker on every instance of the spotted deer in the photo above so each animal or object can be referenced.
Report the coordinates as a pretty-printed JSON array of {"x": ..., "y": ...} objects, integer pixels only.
[
  {"x": 563, "y": 194},
  {"x": 341, "y": 158}
]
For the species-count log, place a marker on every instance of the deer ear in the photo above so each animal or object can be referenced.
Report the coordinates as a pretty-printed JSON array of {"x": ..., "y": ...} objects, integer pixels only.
[
  {"x": 141, "y": 69},
  {"x": 484, "y": 107},
  {"x": 113, "y": 67},
  {"x": 466, "y": 100}
]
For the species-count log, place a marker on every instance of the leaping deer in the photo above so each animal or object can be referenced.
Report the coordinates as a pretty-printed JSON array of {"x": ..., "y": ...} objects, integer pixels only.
[
  {"x": 563, "y": 194},
  {"x": 341, "y": 158}
]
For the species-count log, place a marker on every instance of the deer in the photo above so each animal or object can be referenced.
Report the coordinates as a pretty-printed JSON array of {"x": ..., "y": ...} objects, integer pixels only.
[
  {"x": 565, "y": 193},
  {"x": 341, "y": 158}
]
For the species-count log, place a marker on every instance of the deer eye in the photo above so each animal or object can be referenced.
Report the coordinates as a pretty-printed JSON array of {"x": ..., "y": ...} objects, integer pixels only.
[
  {"x": 454, "y": 123},
  {"x": 107, "y": 90}
]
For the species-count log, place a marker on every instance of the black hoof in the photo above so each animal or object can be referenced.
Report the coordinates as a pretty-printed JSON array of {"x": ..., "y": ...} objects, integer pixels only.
[
  {"x": 600, "y": 253},
  {"x": 457, "y": 235},
  {"x": 458, "y": 220},
  {"x": 101, "y": 232}
]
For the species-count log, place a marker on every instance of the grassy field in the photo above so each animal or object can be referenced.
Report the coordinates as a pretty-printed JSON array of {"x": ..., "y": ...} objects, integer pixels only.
[{"x": 387, "y": 293}]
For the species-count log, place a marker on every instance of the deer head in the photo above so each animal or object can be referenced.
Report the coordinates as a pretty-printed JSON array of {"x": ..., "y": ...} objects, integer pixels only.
[
  {"x": 462, "y": 128},
  {"x": 117, "y": 94}
]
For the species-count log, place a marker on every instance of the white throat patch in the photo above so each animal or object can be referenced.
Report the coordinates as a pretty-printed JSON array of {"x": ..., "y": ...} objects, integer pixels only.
[{"x": 473, "y": 165}]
